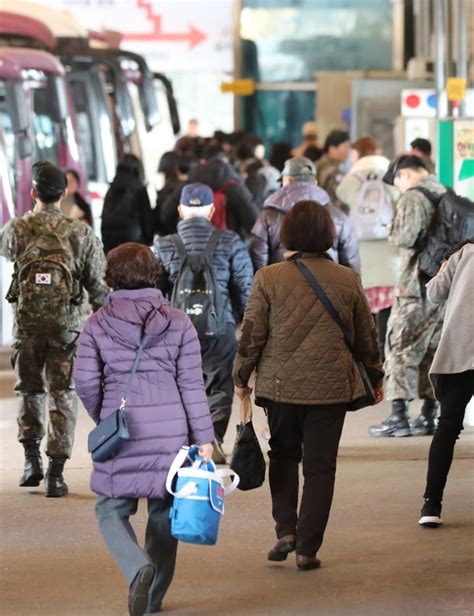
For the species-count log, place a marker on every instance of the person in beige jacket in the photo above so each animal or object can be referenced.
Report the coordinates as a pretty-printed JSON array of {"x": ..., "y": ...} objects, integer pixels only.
[
  {"x": 306, "y": 375},
  {"x": 379, "y": 259},
  {"x": 452, "y": 371}
]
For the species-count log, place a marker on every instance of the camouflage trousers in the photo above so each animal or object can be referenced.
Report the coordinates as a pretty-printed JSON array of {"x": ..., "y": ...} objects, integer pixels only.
[
  {"x": 413, "y": 334},
  {"x": 43, "y": 365}
]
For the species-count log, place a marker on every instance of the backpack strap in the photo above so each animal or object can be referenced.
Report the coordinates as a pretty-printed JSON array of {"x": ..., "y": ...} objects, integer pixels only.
[
  {"x": 225, "y": 186},
  {"x": 179, "y": 245},
  {"x": 212, "y": 244},
  {"x": 434, "y": 198}
]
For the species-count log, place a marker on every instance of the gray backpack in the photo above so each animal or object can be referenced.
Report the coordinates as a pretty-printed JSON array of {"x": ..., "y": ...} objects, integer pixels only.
[{"x": 372, "y": 211}]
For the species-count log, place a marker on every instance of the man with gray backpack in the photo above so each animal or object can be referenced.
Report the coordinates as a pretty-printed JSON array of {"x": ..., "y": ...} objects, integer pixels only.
[
  {"x": 208, "y": 274},
  {"x": 55, "y": 259}
]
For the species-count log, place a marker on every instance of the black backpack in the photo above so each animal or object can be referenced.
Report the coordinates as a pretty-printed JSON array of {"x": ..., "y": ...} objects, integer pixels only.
[
  {"x": 453, "y": 222},
  {"x": 196, "y": 291}
]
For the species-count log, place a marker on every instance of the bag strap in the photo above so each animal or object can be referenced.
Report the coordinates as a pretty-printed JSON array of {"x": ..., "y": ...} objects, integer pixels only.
[
  {"x": 132, "y": 373},
  {"x": 326, "y": 302},
  {"x": 246, "y": 412},
  {"x": 208, "y": 251},
  {"x": 225, "y": 186},
  {"x": 212, "y": 245}
]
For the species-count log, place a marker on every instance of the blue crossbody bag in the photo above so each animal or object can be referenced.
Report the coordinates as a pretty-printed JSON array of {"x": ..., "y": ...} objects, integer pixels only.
[{"x": 111, "y": 433}]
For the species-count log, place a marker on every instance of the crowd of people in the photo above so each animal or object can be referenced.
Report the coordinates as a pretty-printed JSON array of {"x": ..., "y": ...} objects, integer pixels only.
[{"x": 304, "y": 268}]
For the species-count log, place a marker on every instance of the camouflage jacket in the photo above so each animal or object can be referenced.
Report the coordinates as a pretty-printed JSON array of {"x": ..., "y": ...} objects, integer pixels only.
[
  {"x": 86, "y": 248},
  {"x": 413, "y": 215},
  {"x": 329, "y": 176}
]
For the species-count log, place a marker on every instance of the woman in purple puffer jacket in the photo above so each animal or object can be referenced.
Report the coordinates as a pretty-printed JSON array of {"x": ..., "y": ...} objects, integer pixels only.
[{"x": 166, "y": 408}]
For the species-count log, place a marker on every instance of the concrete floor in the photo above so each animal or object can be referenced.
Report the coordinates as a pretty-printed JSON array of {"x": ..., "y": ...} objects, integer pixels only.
[{"x": 376, "y": 560}]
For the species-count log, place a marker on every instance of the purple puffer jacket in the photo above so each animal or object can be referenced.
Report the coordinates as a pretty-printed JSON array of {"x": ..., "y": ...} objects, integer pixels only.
[{"x": 166, "y": 406}]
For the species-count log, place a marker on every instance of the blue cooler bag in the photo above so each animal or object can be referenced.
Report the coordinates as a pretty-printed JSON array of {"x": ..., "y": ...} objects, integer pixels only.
[{"x": 198, "y": 502}]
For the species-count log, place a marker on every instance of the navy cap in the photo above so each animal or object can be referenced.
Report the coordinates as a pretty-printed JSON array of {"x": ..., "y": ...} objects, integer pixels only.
[
  {"x": 196, "y": 195},
  {"x": 47, "y": 175}
]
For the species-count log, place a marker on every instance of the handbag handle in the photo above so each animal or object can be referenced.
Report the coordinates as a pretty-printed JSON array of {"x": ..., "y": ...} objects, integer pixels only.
[
  {"x": 326, "y": 302},
  {"x": 132, "y": 374},
  {"x": 246, "y": 412}
]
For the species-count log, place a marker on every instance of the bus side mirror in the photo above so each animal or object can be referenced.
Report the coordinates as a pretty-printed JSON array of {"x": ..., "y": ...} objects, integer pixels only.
[{"x": 59, "y": 107}]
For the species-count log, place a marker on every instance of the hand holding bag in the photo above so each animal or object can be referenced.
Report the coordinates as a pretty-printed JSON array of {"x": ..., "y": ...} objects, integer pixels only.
[
  {"x": 110, "y": 434},
  {"x": 198, "y": 502},
  {"x": 247, "y": 457},
  {"x": 368, "y": 399}
]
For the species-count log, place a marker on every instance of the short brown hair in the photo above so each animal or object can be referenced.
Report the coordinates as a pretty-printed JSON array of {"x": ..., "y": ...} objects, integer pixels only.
[
  {"x": 308, "y": 227},
  {"x": 365, "y": 146},
  {"x": 131, "y": 266}
]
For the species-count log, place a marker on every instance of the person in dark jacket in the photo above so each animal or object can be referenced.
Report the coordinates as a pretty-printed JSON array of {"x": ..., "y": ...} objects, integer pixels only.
[
  {"x": 216, "y": 172},
  {"x": 126, "y": 213},
  {"x": 299, "y": 183},
  {"x": 166, "y": 409},
  {"x": 74, "y": 205},
  {"x": 233, "y": 272},
  {"x": 306, "y": 375}
]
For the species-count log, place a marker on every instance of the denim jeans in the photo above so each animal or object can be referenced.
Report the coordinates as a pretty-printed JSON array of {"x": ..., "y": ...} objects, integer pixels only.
[{"x": 160, "y": 546}]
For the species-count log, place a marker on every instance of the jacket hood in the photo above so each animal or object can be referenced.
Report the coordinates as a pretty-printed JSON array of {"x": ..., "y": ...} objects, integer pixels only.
[
  {"x": 285, "y": 198},
  {"x": 130, "y": 314},
  {"x": 370, "y": 163},
  {"x": 215, "y": 173}
]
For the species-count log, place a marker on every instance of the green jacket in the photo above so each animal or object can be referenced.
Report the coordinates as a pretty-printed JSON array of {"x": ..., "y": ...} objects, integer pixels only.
[{"x": 411, "y": 224}]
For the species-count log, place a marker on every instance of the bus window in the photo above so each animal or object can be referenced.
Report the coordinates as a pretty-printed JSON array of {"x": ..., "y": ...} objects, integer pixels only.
[
  {"x": 8, "y": 138},
  {"x": 44, "y": 128},
  {"x": 85, "y": 131}
]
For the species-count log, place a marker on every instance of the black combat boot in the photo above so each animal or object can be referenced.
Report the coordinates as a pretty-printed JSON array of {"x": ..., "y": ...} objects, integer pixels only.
[
  {"x": 397, "y": 424},
  {"x": 425, "y": 423},
  {"x": 33, "y": 473},
  {"x": 54, "y": 484}
]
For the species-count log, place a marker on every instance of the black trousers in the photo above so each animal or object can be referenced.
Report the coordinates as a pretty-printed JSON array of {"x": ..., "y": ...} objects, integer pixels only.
[
  {"x": 456, "y": 391},
  {"x": 217, "y": 361},
  {"x": 310, "y": 434}
]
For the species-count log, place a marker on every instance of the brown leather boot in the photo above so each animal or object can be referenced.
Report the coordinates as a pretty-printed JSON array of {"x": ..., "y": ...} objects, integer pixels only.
[
  {"x": 306, "y": 563},
  {"x": 281, "y": 548}
]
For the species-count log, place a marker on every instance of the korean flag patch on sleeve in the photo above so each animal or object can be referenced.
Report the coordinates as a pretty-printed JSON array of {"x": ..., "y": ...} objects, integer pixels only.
[{"x": 43, "y": 278}]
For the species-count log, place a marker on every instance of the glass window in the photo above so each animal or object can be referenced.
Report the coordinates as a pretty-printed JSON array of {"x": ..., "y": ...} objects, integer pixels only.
[
  {"x": 85, "y": 130},
  {"x": 8, "y": 138},
  {"x": 295, "y": 38},
  {"x": 44, "y": 128}
]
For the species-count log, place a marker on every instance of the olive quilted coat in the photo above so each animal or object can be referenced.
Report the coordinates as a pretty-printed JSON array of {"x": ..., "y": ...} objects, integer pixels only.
[{"x": 297, "y": 349}]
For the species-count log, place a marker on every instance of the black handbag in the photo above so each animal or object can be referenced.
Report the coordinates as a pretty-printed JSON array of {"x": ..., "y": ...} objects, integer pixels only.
[
  {"x": 247, "y": 457},
  {"x": 110, "y": 434},
  {"x": 368, "y": 399}
]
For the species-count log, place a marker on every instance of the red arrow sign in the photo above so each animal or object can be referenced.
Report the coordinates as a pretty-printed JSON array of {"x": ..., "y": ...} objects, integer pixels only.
[{"x": 193, "y": 35}]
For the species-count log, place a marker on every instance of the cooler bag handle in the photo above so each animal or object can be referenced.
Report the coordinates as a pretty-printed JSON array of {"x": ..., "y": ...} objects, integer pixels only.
[
  {"x": 228, "y": 472},
  {"x": 178, "y": 462}
]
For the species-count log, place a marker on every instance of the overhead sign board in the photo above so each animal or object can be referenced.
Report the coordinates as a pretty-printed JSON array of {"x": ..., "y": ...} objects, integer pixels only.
[
  {"x": 456, "y": 88},
  {"x": 239, "y": 87},
  {"x": 173, "y": 35}
]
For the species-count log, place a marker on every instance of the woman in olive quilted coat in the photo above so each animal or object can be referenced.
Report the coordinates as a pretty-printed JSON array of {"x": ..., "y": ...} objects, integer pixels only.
[{"x": 306, "y": 375}]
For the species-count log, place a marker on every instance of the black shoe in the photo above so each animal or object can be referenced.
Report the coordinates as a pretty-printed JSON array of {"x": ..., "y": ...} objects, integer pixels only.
[
  {"x": 33, "y": 471},
  {"x": 425, "y": 423},
  {"x": 218, "y": 455},
  {"x": 54, "y": 484},
  {"x": 282, "y": 548},
  {"x": 430, "y": 514},
  {"x": 307, "y": 563},
  {"x": 397, "y": 424},
  {"x": 138, "y": 591}
]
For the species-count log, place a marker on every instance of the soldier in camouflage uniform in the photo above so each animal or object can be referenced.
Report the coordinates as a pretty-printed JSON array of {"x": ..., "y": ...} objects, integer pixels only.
[
  {"x": 414, "y": 327},
  {"x": 47, "y": 348},
  {"x": 336, "y": 147}
]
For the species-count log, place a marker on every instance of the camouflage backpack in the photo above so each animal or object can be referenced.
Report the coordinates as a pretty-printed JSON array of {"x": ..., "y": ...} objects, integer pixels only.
[{"x": 46, "y": 286}]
